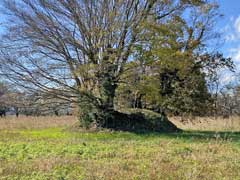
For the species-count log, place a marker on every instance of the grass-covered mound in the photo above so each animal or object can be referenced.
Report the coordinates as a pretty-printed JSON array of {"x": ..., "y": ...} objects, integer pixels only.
[{"x": 139, "y": 120}]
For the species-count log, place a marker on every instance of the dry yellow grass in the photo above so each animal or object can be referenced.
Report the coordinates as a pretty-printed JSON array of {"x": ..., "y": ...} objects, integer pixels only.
[
  {"x": 187, "y": 123},
  {"x": 30, "y": 122},
  {"x": 208, "y": 123}
]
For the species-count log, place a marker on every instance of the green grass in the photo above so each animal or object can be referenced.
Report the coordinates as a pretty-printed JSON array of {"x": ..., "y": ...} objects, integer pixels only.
[{"x": 58, "y": 154}]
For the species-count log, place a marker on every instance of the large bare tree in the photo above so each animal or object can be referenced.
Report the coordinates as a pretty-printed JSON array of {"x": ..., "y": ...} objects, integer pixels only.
[{"x": 76, "y": 50}]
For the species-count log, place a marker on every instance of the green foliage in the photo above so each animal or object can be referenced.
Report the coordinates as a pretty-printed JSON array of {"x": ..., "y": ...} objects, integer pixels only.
[
  {"x": 170, "y": 71},
  {"x": 174, "y": 85}
]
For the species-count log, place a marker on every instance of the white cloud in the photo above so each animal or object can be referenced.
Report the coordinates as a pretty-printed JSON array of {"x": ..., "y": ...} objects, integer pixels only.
[
  {"x": 230, "y": 37},
  {"x": 235, "y": 54},
  {"x": 231, "y": 18},
  {"x": 232, "y": 30},
  {"x": 226, "y": 28},
  {"x": 227, "y": 78},
  {"x": 237, "y": 25},
  {"x": 236, "y": 57}
]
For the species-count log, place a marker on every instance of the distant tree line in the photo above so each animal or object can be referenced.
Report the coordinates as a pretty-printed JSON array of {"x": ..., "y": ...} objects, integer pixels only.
[{"x": 16, "y": 102}]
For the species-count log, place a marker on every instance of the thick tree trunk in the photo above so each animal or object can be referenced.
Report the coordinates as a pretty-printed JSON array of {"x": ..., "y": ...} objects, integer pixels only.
[
  {"x": 107, "y": 92},
  {"x": 98, "y": 111}
]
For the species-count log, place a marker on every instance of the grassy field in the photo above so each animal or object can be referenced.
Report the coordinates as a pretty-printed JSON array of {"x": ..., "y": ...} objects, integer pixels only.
[{"x": 44, "y": 148}]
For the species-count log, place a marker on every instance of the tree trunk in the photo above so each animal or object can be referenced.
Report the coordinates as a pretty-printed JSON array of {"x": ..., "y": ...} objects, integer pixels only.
[
  {"x": 98, "y": 111},
  {"x": 108, "y": 88},
  {"x": 107, "y": 91}
]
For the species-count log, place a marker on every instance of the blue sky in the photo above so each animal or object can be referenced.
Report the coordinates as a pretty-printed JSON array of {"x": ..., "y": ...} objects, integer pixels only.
[{"x": 229, "y": 26}]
